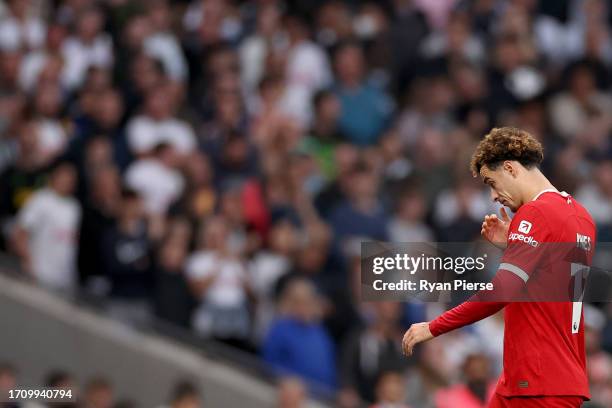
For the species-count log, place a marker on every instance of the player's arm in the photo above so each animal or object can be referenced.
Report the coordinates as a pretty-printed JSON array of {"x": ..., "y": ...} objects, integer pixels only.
[
  {"x": 480, "y": 306},
  {"x": 521, "y": 257}
]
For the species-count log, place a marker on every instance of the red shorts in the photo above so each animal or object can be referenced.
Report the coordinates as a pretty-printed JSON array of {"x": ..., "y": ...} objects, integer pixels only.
[{"x": 498, "y": 401}]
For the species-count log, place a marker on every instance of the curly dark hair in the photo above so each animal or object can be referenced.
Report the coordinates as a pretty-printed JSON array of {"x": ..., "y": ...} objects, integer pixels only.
[{"x": 507, "y": 143}]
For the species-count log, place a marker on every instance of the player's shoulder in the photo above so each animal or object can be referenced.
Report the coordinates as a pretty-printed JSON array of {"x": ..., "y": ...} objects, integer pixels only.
[
  {"x": 551, "y": 199},
  {"x": 539, "y": 216},
  {"x": 549, "y": 205},
  {"x": 532, "y": 209}
]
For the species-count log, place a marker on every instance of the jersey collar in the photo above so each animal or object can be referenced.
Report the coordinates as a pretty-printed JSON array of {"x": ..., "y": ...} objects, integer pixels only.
[{"x": 549, "y": 190}]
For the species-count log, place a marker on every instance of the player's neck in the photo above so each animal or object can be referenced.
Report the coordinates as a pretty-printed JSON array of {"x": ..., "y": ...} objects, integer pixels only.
[{"x": 536, "y": 183}]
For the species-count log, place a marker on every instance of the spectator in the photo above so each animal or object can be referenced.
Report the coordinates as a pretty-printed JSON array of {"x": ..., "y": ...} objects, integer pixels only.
[
  {"x": 455, "y": 41},
  {"x": 97, "y": 155},
  {"x": 429, "y": 107},
  {"x": 128, "y": 263},
  {"x": 60, "y": 379},
  {"x": 390, "y": 391},
  {"x": 345, "y": 158},
  {"x": 35, "y": 61},
  {"x": 157, "y": 125},
  {"x": 162, "y": 44},
  {"x": 63, "y": 380},
  {"x": 104, "y": 120},
  {"x": 596, "y": 195},
  {"x": 100, "y": 213},
  {"x": 313, "y": 259},
  {"x": 98, "y": 394},
  {"x": 409, "y": 225},
  {"x": 89, "y": 46},
  {"x": 307, "y": 70},
  {"x": 212, "y": 22},
  {"x": 268, "y": 267},
  {"x": 362, "y": 213},
  {"x": 297, "y": 343},
  {"x": 599, "y": 363},
  {"x": 459, "y": 212},
  {"x": 46, "y": 232},
  {"x": 324, "y": 134},
  {"x": 10, "y": 67},
  {"x": 366, "y": 109},
  {"x": 394, "y": 166},
  {"x": 145, "y": 74},
  {"x": 572, "y": 111},
  {"x": 228, "y": 110},
  {"x": 23, "y": 177},
  {"x": 20, "y": 28},
  {"x": 173, "y": 302},
  {"x": 255, "y": 48},
  {"x": 234, "y": 159},
  {"x": 157, "y": 179},
  {"x": 200, "y": 198},
  {"x": 291, "y": 393},
  {"x": 52, "y": 136},
  {"x": 374, "y": 350},
  {"x": 185, "y": 395},
  {"x": 477, "y": 389},
  {"x": 218, "y": 279},
  {"x": 8, "y": 381}
]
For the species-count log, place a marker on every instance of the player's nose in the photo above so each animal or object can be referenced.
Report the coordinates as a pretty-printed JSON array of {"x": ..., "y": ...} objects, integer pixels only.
[{"x": 494, "y": 195}]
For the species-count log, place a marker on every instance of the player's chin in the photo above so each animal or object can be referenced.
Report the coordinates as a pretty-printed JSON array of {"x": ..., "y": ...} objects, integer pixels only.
[{"x": 509, "y": 204}]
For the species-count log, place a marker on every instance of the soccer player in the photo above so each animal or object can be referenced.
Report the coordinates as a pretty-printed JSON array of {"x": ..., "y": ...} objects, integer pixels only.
[{"x": 544, "y": 354}]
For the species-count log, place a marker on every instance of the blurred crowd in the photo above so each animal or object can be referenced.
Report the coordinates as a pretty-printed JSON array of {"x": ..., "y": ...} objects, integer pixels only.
[
  {"x": 96, "y": 392},
  {"x": 216, "y": 163}
]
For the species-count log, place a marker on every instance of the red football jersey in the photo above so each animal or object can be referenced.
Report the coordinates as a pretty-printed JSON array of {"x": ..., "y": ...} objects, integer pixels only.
[
  {"x": 544, "y": 341},
  {"x": 544, "y": 350}
]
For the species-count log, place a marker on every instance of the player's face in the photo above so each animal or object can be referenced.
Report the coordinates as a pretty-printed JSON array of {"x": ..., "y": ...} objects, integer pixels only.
[{"x": 504, "y": 186}]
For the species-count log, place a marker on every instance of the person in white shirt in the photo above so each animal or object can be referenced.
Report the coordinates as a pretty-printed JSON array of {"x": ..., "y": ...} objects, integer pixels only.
[
  {"x": 52, "y": 135},
  {"x": 255, "y": 48},
  {"x": 163, "y": 44},
  {"x": 156, "y": 179},
  {"x": 407, "y": 224},
  {"x": 596, "y": 194},
  {"x": 36, "y": 61},
  {"x": 89, "y": 47},
  {"x": 307, "y": 71},
  {"x": 266, "y": 269},
  {"x": 157, "y": 125},
  {"x": 19, "y": 29},
  {"x": 218, "y": 277},
  {"x": 45, "y": 236}
]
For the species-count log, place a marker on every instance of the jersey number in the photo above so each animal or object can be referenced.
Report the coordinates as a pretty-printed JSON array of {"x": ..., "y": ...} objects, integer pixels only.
[{"x": 579, "y": 272}]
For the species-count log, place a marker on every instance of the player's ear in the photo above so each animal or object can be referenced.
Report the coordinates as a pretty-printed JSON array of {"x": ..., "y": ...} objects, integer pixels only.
[{"x": 511, "y": 167}]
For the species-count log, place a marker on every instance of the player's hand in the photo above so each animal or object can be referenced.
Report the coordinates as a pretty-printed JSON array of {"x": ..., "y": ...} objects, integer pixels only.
[
  {"x": 495, "y": 229},
  {"x": 417, "y": 333}
]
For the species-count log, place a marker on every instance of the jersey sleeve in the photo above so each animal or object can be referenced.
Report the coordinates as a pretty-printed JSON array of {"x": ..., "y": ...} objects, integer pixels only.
[
  {"x": 462, "y": 315},
  {"x": 526, "y": 237},
  {"x": 481, "y": 305},
  {"x": 523, "y": 254}
]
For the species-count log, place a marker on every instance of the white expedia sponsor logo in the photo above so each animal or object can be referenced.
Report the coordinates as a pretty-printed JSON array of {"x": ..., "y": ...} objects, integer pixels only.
[{"x": 526, "y": 239}]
